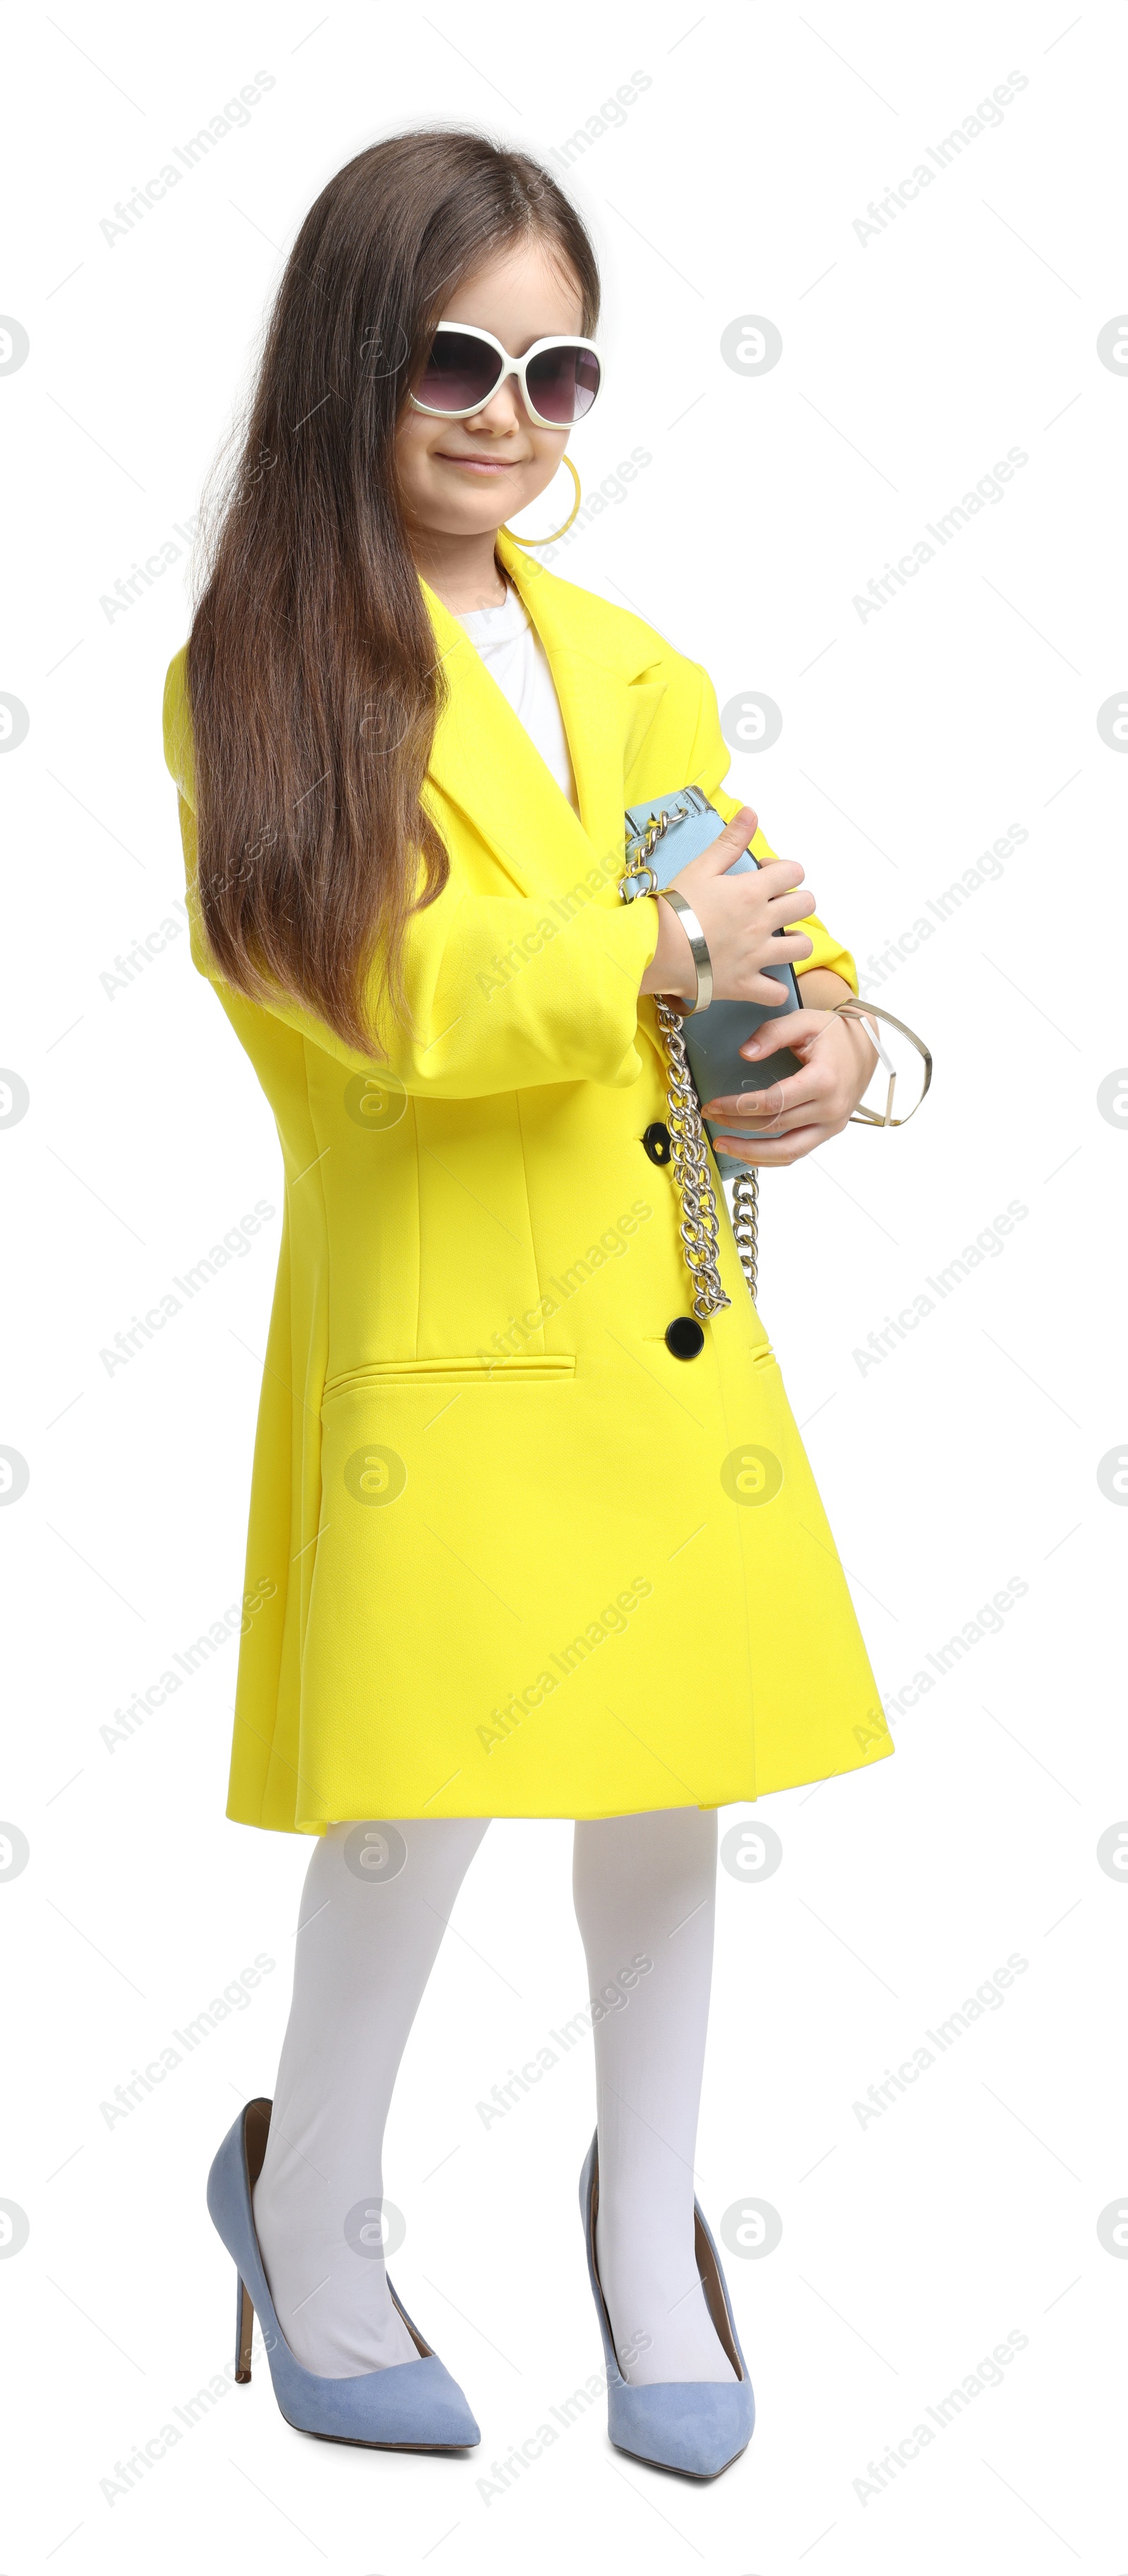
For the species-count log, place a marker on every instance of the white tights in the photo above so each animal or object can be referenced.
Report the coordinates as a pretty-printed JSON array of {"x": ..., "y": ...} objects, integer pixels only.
[{"x": 644, "y": 1887}]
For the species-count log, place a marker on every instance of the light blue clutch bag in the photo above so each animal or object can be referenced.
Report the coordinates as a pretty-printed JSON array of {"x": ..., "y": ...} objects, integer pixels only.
[
  {"x": 712, "y": 1041},
  {"x": 704, "y": 1062},
  {"x": 703, "y": 1056}
]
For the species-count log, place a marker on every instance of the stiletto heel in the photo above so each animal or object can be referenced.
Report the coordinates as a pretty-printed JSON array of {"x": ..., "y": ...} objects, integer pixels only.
[
  {"x": 412, "y": 2406},
  {"x": 697, "y": 2427},
  {"x": 244, "y": 2329}
]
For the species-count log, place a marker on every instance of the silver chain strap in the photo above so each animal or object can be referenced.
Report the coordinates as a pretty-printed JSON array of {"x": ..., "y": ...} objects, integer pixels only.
[
  {"x": 690, "y": 1165},
  {"x": 745, "y": 1217},
  {"x": 689, "y": 1151}
]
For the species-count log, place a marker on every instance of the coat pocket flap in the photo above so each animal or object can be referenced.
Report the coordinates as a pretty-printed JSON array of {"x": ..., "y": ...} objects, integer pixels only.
[{"x": 470, "y": 1371}]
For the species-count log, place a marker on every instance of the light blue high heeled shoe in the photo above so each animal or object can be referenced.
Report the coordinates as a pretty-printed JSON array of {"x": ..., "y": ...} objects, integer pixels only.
[
  {"x": 413, "y": 2406},
  {"x": 697, "y": 2427}
]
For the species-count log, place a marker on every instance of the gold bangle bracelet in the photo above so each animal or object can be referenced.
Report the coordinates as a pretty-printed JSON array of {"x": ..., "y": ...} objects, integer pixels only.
[{"x": 699, "y": 948}]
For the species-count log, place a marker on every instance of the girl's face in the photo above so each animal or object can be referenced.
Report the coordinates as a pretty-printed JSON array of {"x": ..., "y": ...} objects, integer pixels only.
[{"x": 462, "y": 478}]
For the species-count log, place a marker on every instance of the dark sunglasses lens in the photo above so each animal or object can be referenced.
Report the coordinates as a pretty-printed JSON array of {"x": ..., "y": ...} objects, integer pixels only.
[
  {"x": 460, "y": 373},
  {"x": 563, "y": 382}
]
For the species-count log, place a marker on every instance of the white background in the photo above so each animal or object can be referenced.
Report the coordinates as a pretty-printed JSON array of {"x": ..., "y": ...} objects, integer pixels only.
[{"x": 968, "y": 2209}]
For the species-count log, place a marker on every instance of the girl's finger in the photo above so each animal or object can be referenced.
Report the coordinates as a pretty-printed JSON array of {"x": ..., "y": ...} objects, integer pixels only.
[
  {"x": 742, "y": 1113},
  {"x": 802, "y": 1090},
  {"x": 793, "y": 903},
  {"x": 766, "y": 1149},
  {"x": 729, "y": 845},
  {"x": 795, "y": 1029},
  {"x": 776, "y": 1129}
]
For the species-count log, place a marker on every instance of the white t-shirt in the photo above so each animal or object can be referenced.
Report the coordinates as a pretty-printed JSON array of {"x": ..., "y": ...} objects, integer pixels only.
[{"x": 514, "y": 656}]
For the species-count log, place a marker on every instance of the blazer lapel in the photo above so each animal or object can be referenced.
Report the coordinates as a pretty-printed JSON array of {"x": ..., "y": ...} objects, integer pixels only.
[
  {"x": 593, "y": 697},
  {"x": 484, "y": 763},
  {"x": 607, "y": 717}
]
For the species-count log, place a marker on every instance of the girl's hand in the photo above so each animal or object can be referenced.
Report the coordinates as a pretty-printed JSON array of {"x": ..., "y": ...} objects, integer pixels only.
[
  {"x": 789, "y": 1120},
  {"x": 738, "y": 916}
]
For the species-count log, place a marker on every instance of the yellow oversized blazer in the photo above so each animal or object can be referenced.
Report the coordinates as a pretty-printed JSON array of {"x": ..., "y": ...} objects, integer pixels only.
[{"x": 507, "y": 1555}]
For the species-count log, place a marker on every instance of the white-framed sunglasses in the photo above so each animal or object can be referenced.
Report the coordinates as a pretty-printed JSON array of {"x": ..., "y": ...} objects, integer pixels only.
[{"x": 559, "y": 378}]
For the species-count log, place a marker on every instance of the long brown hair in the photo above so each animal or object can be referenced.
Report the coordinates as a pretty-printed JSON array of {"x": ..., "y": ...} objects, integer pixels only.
[{"x": 311, "y": 668}]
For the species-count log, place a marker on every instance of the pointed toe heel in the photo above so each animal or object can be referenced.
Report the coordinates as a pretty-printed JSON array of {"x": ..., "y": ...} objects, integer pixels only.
[
  {"x": 412, "y": 2406},
  {"x": 695, "y": 2427}
]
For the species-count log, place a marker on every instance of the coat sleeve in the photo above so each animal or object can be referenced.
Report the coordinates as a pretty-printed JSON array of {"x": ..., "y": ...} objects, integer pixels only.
[
  {"x": 711, "y": 762},
  {"x": 504, "y": 992}
]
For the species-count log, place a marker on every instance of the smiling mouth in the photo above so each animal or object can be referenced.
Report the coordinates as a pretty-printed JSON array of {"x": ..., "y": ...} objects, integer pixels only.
[{"x": 481, "y": 464}]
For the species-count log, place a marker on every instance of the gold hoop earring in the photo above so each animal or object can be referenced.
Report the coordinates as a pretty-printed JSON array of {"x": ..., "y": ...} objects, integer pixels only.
[{"x": 557, "y": 532}]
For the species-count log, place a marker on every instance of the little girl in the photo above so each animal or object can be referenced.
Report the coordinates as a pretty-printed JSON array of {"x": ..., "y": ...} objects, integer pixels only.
[{"x": 532, "y": 1532}]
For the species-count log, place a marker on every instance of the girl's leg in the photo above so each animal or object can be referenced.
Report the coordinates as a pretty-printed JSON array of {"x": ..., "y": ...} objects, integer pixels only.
[
  {"x": 365, "y": 1948},
  {"x": 644, "y": 1891}
]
